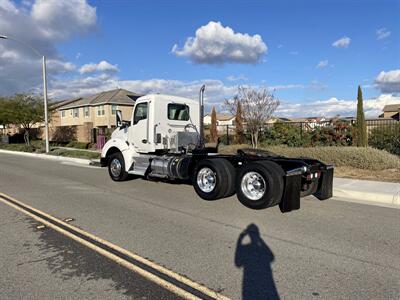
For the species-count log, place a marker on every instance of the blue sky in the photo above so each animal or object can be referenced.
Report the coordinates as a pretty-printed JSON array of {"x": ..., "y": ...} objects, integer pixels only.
[{"x": 135, "y": 39}]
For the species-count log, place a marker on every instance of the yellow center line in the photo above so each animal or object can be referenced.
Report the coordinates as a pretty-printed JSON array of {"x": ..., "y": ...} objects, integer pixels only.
[{"x": 146, "y": 274}]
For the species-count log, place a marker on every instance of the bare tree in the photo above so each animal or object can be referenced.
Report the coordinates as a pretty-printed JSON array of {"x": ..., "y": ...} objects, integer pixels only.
[{"x": 257, "y": 105}]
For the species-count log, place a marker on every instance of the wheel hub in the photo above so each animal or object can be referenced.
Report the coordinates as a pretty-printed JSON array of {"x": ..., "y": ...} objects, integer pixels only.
[
  {"x": 206, "y": 180},
  {"x": 115, "y": 167},
  {"x": 253, "y": 186}
]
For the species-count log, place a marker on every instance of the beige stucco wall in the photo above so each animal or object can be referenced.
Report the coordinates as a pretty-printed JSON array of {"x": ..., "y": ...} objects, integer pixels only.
[{"x": 106, "y": 120}]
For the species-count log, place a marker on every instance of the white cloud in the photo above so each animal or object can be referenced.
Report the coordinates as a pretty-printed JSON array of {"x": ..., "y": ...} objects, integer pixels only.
[
  {"x": 58, "y": 66},
  {"x": 333, "y": 106},
  {"x": 317, "y": 86},
  {"x": 388, "y": 82},
  {"x": 322, "y": 64},
  {"x": 286, "y": 87},
  {"x": 102, "y": 66},
  {"x": 40, "y": 24},
  {"x": 60, "y": 19},
  {"x": 382, "y": 33},
  {"x": 294, "y": 52},
  {"x": 216, "y": 90},
  {"x": 8, "y": 6},
  {"x": 216, "y": 93},
  {"x": 240, "y": 77},
  {"x": 216, "y": 44},
  {"x": 343, "y": 42}
]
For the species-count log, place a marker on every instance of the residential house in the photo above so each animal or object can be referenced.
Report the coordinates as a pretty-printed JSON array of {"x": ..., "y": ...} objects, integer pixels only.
[
  {"x": 310, "y": 122},
  {"x": 92, "y": 112},
  {"x": 391, "y": 111},
  {"x": 223, "y": 122}
]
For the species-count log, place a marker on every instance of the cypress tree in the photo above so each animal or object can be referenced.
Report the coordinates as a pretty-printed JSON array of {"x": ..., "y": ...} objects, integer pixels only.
[
  {"x": 362, "y": 138},
  {"x": 239, "y": 137},
  {"x": 213, "y": 128}
]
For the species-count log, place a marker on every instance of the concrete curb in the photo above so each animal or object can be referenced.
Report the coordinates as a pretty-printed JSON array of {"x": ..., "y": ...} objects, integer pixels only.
[
  {"x": 367, "y": 190},
  {"x": 353, "y": 189}
]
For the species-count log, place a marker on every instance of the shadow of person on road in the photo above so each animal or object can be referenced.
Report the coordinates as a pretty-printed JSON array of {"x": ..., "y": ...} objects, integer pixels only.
[{"x": 255, "y": 258}]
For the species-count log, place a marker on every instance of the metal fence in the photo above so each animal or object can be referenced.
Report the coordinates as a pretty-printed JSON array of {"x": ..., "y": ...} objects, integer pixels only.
[{"x": 227, "y": 132}]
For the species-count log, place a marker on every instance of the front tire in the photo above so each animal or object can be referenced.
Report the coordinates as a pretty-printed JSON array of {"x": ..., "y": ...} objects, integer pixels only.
[
  {"x": 116, "y": 167},
  {"x": 260, "y": 184}
]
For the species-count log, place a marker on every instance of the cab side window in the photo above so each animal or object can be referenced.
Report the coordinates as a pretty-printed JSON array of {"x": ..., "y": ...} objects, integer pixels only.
[
  {"x": 178, "y": 112},
  {"x": 140, "y": 112}
]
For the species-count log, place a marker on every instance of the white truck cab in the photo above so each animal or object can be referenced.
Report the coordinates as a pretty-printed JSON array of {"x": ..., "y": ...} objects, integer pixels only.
[{"x": 164, "y": 139}]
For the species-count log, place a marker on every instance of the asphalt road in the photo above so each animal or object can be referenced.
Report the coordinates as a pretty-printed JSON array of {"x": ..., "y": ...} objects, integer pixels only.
[{"x": 326, "y": 250}]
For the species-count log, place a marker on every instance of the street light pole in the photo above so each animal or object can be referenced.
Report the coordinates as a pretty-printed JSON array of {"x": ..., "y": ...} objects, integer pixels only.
[{"x": 46, "y": 119}]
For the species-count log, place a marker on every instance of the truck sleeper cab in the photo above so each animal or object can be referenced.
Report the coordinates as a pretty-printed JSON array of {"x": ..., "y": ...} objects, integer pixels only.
[{"x": 163, "y": 139}]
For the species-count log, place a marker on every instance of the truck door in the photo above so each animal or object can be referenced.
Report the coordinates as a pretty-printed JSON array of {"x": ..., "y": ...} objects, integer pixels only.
[{"x": 140, "y": 128}]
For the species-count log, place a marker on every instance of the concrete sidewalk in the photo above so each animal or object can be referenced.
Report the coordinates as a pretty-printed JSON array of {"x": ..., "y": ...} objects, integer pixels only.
[{"x": 366, "y": 191}]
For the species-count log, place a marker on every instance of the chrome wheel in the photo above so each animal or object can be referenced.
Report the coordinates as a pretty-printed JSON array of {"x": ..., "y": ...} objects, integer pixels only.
[
  {"x": 115, "y": 167},
  {"x": 206, "y": 180},
  {"x": 253, "y": 185}
]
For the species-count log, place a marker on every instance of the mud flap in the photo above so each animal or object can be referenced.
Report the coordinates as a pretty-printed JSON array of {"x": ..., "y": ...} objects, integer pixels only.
[
  {"x": 325, "y": 184},
  {"x": 291, "y": 194}
]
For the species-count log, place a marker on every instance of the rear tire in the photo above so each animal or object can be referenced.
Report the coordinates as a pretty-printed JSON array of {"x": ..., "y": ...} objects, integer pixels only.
[
  {"x": 116, "y": 167},
  {"x": 260, "y": 184},
  {"x": 214, "y": 179}
]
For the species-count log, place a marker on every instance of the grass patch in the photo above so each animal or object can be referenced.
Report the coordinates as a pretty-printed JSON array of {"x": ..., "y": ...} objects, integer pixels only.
[
  {"x": 39, "y": 147},
  {"x": 35, "y": 146},
  {"x": 358, "y": 158}
]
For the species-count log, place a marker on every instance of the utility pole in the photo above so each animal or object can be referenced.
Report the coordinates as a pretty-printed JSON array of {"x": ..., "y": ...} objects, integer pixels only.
[{"x": 46, "y": 117}]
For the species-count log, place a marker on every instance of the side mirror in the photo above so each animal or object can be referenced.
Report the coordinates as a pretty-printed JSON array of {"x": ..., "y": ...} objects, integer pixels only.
[{"x": 118, "y": 116}]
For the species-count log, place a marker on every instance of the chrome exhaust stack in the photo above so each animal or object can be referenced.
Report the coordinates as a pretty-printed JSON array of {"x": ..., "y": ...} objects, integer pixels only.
[{"x": 201, "y": 116}]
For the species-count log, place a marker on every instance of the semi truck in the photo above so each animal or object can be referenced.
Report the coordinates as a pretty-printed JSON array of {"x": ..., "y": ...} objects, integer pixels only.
[{"x": 164, "y": 139}]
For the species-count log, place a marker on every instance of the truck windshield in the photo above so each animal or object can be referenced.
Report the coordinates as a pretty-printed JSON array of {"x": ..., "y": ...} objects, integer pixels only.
[{"x": 179, "y": 112}]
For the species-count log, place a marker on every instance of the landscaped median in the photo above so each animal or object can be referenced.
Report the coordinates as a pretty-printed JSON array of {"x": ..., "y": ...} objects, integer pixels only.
[
  {"x": 39, "y": 148},
  {"x": 350, "y": 162}
]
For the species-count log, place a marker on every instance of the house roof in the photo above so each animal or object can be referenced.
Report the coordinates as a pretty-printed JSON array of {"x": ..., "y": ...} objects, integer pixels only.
[
  {"x": 221, "y": 117},
  {"x": 391, "y": 108},
  {"x": 117, "y": 96}
]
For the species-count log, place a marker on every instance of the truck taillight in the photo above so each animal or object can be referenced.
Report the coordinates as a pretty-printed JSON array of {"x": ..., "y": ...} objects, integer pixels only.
[{"x": 313, "y": 175}]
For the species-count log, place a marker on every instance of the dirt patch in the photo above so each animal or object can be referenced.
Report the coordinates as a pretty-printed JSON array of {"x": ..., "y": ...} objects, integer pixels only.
[{"x": 389, "y": 175}]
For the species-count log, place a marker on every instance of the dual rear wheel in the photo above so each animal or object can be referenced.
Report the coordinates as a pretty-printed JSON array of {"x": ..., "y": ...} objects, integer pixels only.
[{"x": 258, "y": 184}]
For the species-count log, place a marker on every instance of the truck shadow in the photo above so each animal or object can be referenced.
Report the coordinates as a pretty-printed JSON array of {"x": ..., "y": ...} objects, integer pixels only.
[{"x": 255, "y": 258}]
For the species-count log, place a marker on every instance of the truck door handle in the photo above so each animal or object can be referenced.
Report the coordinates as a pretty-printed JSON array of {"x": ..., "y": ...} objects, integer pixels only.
[{"x": 144, "y": 141}]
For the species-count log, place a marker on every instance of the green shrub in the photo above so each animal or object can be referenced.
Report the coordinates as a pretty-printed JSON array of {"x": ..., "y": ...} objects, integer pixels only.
[
  {"x": 78, "y": 145},
  {"x": 360, "y": 158},
  {"x": 285, "y": 134},
  {"x": 75, "y": 153},
  {"x": 296, "y": 135},
  {"x": 386, "y": 138}
]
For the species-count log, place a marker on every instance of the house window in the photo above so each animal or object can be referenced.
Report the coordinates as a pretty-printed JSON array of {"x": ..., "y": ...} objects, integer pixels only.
[
  {"x": 71, "y": 112},
  {"x": 86, "y": 111},
  {"x": 100, "y": 110},
  {"x": 179, "y": 112},
  {"x": 62, "y": 113},
  {"x": 76, "y": 112},
  {"x": 114, "y": 109}
]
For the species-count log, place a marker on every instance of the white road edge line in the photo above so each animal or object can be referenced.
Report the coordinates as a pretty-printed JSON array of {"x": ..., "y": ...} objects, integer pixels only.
[{"x": 167, "y": 285}]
